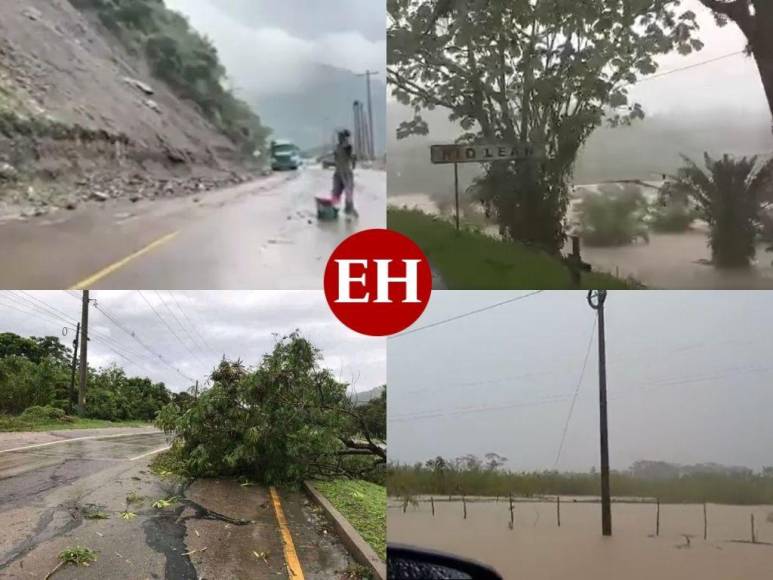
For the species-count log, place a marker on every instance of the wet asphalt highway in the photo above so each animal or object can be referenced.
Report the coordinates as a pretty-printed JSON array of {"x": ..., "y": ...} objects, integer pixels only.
[
  {"x": 49, "y": 482},
  {"x": 263, "y": 234}
]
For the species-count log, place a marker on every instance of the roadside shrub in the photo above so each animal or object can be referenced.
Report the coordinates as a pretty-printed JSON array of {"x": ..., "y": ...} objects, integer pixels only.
[
  {"x": 613, "y": 217},
  {"x": 43, "y": 414}
]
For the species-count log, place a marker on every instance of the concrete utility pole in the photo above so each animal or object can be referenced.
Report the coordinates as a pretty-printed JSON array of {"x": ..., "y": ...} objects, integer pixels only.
[
  {"x": 358, "y": 130},
  {"x": 72, "y": 397},
  {"x": 371, "y": 145},
  {"x": 606, "y": 502},
  {"x": 84, "y": 352}
]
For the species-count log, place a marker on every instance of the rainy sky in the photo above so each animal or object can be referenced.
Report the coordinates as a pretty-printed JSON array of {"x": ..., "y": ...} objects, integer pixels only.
[
  {"x": 192, "y": 330},
  {"x": 690, "y": 379},
  {"x": 268, "y": 47}
]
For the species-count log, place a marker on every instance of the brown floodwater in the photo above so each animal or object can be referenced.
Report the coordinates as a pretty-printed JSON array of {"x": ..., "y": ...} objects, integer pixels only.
[
  {"x": 666, "y": 261},
  {"x": 536, "y": 548}
]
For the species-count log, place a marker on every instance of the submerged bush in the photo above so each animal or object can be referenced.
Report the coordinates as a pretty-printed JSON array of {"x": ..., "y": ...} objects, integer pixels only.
[{"x": 613, "y": 217}]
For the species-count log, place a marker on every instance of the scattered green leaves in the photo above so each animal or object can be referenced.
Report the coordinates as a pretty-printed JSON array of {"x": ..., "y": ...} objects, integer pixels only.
[{"x": 78, "y": 555}]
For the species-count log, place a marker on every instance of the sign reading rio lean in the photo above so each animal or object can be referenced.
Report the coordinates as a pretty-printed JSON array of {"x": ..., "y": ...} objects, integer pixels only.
[
  {"x": 478, "y": 153},
  {"x": 457, "y": 154}
]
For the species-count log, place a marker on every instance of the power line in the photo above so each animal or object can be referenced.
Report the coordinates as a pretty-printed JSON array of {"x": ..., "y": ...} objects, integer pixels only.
[
  {"x": 466, "y": 314},
  {"x": 37, "y": 315},
  {"x": 142, "y": 343},
  {"x": 684, "y": 68},
  {"x": 169, "y": 327},
  {"x": 177, "y": 320},
  {"x": 576, "y": 392},
  {"x": 193, "y": 326}
]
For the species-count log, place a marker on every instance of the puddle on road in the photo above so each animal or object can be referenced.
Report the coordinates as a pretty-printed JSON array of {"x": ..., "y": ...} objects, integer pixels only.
[{"x": 165, "y": 534}]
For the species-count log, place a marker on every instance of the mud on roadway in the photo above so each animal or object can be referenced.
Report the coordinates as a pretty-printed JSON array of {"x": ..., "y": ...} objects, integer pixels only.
[{"x": 50, "y": 483}]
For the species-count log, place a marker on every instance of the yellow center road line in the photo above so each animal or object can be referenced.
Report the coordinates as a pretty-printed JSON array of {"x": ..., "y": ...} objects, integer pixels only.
[
  {"x": 104, "y": 272},
  {"x": 159, "y": 450},
  {"x": 291, "y": 556}
]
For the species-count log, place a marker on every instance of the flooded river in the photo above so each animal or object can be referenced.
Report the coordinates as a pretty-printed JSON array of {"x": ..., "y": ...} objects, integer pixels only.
[
  {"x": 667, "y": 261},
  {"x": 536, "y": 548}
]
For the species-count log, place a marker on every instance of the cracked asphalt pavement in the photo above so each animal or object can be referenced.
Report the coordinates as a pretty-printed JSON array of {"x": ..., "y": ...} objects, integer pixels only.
[{"x": 51, "y": 483}]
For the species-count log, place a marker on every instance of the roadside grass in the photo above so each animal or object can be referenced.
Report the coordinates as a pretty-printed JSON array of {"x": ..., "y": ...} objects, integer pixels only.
[
  {"x": 470, "y": 259},
  {"x": 362, "y": 503},
  {"x": 11, "y": 423}
]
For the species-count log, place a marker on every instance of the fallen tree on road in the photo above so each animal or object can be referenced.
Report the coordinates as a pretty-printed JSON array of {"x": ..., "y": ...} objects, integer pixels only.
[{"x": 286, "y": 420}]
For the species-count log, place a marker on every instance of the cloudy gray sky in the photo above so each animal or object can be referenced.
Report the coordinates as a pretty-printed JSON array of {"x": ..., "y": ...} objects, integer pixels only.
[
  {"x": 205, "y": 325},
  {"x": 689, "y": 376},
  {"x": 268, "y": 46}
]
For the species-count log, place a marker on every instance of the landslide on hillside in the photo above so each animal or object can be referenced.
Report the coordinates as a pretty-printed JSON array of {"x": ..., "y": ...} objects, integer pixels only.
[{"x": 109, "y": 98}]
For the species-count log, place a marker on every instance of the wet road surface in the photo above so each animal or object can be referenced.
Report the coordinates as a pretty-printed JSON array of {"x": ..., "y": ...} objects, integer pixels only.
[
  {"x": 50, "y": 483},
  {"x": 262, "y": 234}
]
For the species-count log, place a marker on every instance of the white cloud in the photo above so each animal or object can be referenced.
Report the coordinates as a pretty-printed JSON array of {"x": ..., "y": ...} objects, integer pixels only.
[{"x": 269, "y": 60}]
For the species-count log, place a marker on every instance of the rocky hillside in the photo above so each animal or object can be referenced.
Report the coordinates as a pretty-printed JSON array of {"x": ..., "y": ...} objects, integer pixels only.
[{"x": 108, "y": 98}]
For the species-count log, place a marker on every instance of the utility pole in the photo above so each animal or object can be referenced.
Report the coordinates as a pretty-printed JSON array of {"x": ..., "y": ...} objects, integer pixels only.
[
  {"x": 73, "y": 399},
  {"x": 357, "y": 130},
  {"x": 196, "y": 391},
  {"x": 606, "y": 502},
  {"x": 371, "y": 145},
  {"x": 84, "y": 352}
]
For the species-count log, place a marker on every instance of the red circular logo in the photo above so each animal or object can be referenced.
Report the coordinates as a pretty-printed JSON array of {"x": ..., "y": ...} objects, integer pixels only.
[{"x": 378, "y": 282}]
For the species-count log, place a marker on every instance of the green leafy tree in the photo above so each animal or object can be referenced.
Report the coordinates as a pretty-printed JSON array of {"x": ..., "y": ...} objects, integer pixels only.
[
  {"x": 33, "y": 348},
  {"x": 546, "y": 72},
  {"x": 373, "y": 414},
  {"x": 285, "y": 421},
  {"x": 728, "y": 194}
]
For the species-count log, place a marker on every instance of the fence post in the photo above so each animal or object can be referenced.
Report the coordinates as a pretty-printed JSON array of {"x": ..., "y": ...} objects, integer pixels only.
[
  {"x": 464, "y": 504},
  {"x": 432, "y": 501},
  {"x": 657, "y": 520},
  {"x": 754, "y": 537},
  {"x": 705, "y": 523},
  {"x": 558, "y": 510},
  {"x": 512, "y": 517}
]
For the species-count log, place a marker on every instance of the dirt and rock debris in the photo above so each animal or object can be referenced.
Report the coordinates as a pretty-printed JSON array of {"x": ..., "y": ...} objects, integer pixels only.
[{"x": 83, "y": 120}]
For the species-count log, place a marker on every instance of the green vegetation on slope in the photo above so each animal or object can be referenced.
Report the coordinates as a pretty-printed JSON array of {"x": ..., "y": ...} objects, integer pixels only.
[
  {"x": 185, "y": 60},
  {"x": 442, "y": 477},
  {"x": 362, "y": 503},
  {"x": 470, "y": 259}
]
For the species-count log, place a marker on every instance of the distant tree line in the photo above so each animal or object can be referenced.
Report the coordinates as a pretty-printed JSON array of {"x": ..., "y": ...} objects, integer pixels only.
[
  {"x": 185, "y": 60},
  {"x": 470, "y": 475},
  {"x": 36, "y": 372}
]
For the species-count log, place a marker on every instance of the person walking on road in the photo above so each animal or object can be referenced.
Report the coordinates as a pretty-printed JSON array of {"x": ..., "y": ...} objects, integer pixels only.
[{"x": 343, "y": 177}]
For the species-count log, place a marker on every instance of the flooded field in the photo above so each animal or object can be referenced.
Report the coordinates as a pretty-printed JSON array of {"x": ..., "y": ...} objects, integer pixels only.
[
  {"x": 667, "y": 261},
  {"x": 536, "y": 548}
]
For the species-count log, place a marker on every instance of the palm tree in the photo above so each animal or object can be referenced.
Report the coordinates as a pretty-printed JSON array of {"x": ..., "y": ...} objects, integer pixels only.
[{"x": 728, "y": 194}]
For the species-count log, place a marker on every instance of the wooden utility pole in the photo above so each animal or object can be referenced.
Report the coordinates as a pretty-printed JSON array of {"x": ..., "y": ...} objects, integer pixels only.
[
  {"x": 606, "y": 502},
  {"x": 196, "y": 391},
  {"x": 84, "y": 353},
  {"x": 73, "y": 398}
]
